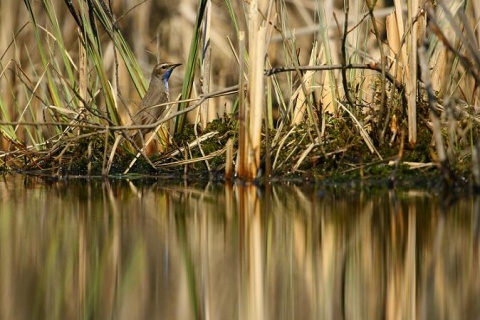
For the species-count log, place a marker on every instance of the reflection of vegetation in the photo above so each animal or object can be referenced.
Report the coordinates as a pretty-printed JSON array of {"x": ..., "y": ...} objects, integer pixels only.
[
  {"x": 327, "y": 113},
  {"x": 144, "y": 249}
]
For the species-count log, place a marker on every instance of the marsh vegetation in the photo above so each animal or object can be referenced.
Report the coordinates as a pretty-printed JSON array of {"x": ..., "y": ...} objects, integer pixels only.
[{"x": 267, "y": 88}]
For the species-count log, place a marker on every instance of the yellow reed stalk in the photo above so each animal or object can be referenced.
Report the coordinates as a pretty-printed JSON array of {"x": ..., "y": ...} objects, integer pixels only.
[
  {"x": 257, "y": 40},
  {"x": 409, "y": 73},
  {"x": 411, "y": 83},
  {"x": 393, "y": 37},
  {"x": 242, "y": 131},
  {"x": 207, "y": 113},
  {"x": 301, "y": 104},
  {"x": 329, "y": 88},
  {"x": 229, "y": 160}
]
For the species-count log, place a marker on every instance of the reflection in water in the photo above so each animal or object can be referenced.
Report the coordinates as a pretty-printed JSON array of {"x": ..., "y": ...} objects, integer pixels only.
[{"x": 149, "y": 250}]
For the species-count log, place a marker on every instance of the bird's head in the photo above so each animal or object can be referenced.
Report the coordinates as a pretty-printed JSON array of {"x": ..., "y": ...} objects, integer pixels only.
[{"x": 164, "y": 70}]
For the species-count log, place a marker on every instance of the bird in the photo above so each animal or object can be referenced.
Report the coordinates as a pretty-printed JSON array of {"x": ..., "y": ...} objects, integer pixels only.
[{"x": 157, "y": 94}]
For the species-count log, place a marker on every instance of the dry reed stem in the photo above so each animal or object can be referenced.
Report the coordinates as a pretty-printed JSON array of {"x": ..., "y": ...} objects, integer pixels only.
[
  {"x": 434, "y": 113},
  {"x": 229, "y": 160},
  {"x": 280, "y": 147},
  {"x": 414, "y": 165},
  {"x": 393, "y": 39},
  {"x": 254, "y": 112},
  {"x": 384, "y": 114},
  {"x": 299, "y": 110},
  {"x": 412, "y": 81},
  {"x": 82, "y": 74},
  {"x": 439, "y": 65},
  {"x": 192, "y": 159},
  {"x": 410, "y": 73},
  {"x": 363, "y": 132},
  {"x": 207, "y": 111},
  {"x": 242, "y": 131},
  {"x": 195, "y": 130},
  {"x": 344, "y": 57},
  {"x": 305, "y": 153}
]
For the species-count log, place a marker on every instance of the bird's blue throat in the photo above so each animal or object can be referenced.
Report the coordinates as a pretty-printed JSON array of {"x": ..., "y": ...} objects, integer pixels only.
[{"x": 165, "y": 78}]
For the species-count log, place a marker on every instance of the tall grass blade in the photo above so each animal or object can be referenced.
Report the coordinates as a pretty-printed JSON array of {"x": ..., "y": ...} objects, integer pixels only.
[{"x": 190, "y": 67}]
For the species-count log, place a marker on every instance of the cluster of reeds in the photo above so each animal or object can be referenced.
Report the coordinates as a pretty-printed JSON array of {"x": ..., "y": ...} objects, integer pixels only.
[{"x": 268, "y": 86}]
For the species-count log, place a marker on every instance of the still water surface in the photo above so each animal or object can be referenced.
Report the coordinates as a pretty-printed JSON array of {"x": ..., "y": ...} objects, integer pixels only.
[{"x": 153, "y": 250}]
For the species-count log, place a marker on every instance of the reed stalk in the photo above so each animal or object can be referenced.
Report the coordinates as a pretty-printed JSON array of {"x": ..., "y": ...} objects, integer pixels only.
[
  {"x": 256, "y": 90},
  {"x": 207, "y": 114},
  {"x": 242, "y": 125}
]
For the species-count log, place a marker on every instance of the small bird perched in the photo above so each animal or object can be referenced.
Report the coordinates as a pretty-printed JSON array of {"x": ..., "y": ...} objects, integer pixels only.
[{"x": 157, "y": 93}]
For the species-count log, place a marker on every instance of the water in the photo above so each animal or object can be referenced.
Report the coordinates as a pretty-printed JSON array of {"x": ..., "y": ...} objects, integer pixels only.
[{"x": 154, "y": 250}]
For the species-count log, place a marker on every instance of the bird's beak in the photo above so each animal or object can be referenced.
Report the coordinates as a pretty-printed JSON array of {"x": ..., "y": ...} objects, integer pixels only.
[{"x": 174, "y": 65}]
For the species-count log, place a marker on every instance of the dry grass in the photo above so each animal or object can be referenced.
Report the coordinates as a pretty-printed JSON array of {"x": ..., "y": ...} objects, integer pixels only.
[{"x": 350, "y": 91}]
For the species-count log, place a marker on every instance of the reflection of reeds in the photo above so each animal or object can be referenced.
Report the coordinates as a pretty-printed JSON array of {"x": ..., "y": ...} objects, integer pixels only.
[
  {"x": 61, "y": 103},
  {"x": 144, "y": 249}
]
